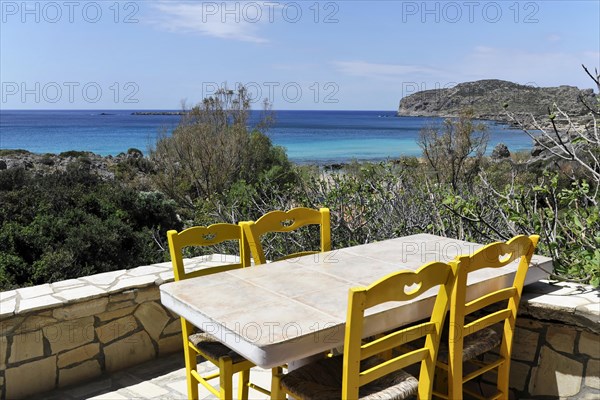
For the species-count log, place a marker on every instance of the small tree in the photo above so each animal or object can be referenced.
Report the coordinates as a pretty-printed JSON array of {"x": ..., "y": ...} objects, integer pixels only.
[
  {"x": 571, "y": 145},
  {"x": 212, "y": 148},
  {"x": 455, "y": 150}
]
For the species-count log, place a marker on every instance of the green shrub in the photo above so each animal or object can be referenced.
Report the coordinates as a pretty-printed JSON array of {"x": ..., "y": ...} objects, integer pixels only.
[
  {"x": 135, "y": 152},
  {"x": 213, "y": 148},
  {"x": 72, "y": 223},
  {"x": 75, "y": 154},
  {"x": 15, "y": 152}
]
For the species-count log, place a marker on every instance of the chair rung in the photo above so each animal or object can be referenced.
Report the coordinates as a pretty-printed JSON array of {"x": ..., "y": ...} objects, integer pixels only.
[
  {"x": 440, "y": 395},
  {"x": 376, "y": 372},
  {"x": 259, "y": 389},
  {"x": 396, "y": 339},
  {"x": 196, "y": 375},
  {"x": 486, "y": 321},
  {"x": 204, "y": 382},
  {"x": 483, "y": 370},
  {"x": 191, "y": 346},
  {"x": 211, "y": 376},
  {"x": 481, "y": 364},
  {"x": 441, "y": 365},
  {"x": 476, "y": 395},
  {"x": 471, "y": 393},
  {"x": 495, "y": 297}
]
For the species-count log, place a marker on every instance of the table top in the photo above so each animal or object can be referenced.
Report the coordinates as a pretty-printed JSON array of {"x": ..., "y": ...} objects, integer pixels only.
[{"x": 287, "y": 310}]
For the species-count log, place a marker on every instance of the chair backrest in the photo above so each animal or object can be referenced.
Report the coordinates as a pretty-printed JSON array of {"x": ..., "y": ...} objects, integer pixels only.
[
  {"x": 206, "y": 236},
  {"x": 494, "y": 255},
  {"x": 400, "y": 286},
  {"x": 287, "y": 221}
]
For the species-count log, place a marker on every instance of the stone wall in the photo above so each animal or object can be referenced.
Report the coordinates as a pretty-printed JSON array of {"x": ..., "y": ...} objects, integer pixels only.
[
  {"x": 58, "y": 334},
  {"x": 55, "y": 335},
  {"x": 556, "y": 350},
  {"x": 555, "y": 360}
]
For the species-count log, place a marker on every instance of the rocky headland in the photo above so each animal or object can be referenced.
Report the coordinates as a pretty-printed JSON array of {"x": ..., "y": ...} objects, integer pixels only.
[
  {"x": 494, "y": 99},
  {"x": 523, "y": 106}
]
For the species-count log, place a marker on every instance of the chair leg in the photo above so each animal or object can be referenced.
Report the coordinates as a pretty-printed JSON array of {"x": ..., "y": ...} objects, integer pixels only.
[
  {"x": 243, "y": 384},
  {"x": 191, "y": 362},
  {"x": 276, "y": 393},
  {"x": 226, "y": 378},
  {"x": 440, "y": 383},
  {"x": 503, "y": 377}
]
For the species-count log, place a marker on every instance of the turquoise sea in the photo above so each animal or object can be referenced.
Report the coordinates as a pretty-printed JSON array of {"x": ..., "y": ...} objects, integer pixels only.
[{"x": 309, "y": 136}]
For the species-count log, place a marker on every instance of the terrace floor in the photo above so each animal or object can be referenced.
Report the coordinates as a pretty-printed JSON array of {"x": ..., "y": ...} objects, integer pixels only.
[{"x": 162, "y": 378}]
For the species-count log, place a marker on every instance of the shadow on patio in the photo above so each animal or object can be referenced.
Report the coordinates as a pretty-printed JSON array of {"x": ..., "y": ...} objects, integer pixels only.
[{"x": 162, "y": 378}]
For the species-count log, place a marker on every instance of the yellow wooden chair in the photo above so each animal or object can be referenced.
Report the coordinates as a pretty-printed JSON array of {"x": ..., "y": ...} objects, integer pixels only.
[
  {"x": 287, "y": 221},
  {"x": 360, "y": 372},
  {"x": 199, "y": 343},
  {"x": 473, "y": 336}
]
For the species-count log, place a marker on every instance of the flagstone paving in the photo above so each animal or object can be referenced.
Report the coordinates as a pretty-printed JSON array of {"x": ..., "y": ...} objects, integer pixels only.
[{"x": 163, "y": 378}]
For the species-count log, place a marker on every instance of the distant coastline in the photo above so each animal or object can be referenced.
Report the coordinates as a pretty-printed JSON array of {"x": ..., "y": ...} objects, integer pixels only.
[{"x": 158, "y": 113}]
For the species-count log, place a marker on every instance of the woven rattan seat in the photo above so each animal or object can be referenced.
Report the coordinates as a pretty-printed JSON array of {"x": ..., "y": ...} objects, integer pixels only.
[
  {"x": 210, "y": 346},
  {"x": 322, "y": 380},
  {"x": 474, "y": 345}
]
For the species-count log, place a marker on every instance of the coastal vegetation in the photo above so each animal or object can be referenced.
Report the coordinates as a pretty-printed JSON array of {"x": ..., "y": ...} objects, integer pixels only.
[
  {"x": 93, "y": 216},
  {"x": 74, "y": 223},
  {"x": 214, "y": 149}
]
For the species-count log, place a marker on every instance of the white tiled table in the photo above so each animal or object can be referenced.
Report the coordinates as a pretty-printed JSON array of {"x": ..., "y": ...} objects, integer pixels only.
[{"x": 289, "y": 310}]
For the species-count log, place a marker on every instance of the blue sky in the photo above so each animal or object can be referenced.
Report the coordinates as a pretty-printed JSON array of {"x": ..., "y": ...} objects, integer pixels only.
[{"x": 352, "y": 55}]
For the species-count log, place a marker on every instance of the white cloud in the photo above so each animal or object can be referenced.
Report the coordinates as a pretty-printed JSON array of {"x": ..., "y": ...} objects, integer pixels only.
[
  {"x": 366, "y": 69},
  {"x": 222, "y": 20},
  {"x": 553, "y": 38}
]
